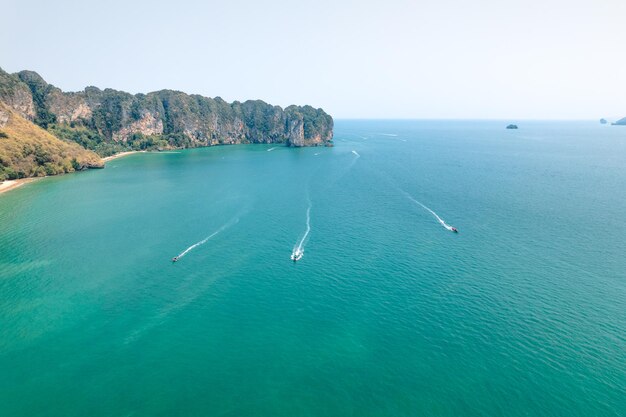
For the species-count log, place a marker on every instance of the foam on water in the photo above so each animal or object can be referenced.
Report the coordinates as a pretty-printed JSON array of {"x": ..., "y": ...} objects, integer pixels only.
[
  {"x": 203, "y": 241},
  {"x": 439, "y": 219},
  {"x": 298, "y": 249}
]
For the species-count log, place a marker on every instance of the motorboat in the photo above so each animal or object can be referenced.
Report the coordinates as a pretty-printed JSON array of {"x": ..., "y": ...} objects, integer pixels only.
[
  {"x": 296, "y": 255},
  {"x": 175, "y": 258},
  {"x": 454, "y": 229}
]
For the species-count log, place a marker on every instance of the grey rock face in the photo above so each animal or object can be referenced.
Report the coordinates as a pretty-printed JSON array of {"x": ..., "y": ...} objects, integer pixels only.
[
  {"x": 16, "y": 95},
  {"x": 184, "y": 120}
]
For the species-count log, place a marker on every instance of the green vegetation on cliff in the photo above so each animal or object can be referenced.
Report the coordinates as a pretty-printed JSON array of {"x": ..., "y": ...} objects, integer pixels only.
[
  {"x": 87, "y": 138},
  {"x": 26, "y": 150},
  {"x": 39, "y": 90},
  {"x": 45, "y": 131},
  {"x": 109, "y": 121}
]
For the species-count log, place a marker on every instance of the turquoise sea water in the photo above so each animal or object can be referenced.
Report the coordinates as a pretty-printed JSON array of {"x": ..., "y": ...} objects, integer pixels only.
[{"x": 523, "y": 313}]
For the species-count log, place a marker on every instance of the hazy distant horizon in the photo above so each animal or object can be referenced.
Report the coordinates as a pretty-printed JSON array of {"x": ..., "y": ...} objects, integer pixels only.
[
  {"x": 356, "y": 60},
  {"x": 373, "y": 118}
]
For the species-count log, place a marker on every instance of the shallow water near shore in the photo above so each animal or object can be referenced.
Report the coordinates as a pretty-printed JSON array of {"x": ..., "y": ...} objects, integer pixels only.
[{"x": 388, "y": 313}]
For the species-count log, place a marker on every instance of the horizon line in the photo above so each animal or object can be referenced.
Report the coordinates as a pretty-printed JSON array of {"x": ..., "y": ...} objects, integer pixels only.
[{"x": 509, "y": 120}]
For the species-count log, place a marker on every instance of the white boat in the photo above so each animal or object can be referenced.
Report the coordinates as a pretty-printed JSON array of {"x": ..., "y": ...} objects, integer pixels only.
[{"x": 297, "y": 255}]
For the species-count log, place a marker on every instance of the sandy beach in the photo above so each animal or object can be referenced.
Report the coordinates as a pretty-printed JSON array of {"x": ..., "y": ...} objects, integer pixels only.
[
  {"x": 9, "y": 185},
  {"x": 119, "y": 155},
  {"x": 13, "y": 184}
]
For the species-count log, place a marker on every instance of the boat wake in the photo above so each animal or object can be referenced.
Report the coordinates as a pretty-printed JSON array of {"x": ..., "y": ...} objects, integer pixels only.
[
  {"x": 389, "y": 134},
  {"x": 271, "y": 149},
  {"x": 439, "y": 219},
  {"x": 298, "y": 250},
  {"x": 354, "y": 159},
  {"x": 206, "y": 239}
]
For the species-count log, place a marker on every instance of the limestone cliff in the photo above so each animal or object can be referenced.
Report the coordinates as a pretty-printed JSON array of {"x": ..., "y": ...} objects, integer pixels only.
[
  {"x": 109, "y": 120},
  {"x": 16, "y": 95}
]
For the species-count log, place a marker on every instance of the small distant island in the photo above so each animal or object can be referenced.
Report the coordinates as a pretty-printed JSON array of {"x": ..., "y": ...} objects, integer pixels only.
[
  {"x": 46, "y": 131},
  {"x": 603, "y": 121},
  {"x": 620, "y": 122},
  {"x": 511, "y": 127}
]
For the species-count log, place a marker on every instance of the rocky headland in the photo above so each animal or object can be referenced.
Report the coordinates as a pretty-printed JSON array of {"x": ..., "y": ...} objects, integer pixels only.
[{"x": 106, "y": 122}]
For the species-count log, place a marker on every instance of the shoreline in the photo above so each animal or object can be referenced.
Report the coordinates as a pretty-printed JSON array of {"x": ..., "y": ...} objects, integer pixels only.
[
  {"x": 120, "y": 155},
  {"x": 9, "y": 185}
]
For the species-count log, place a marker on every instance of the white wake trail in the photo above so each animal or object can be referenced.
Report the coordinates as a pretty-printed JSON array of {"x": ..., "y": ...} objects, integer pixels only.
[
  {"x": 439, "y": 219},
  {"x": 308, "y": 228},
  {"x": 298, "y": 249},
  {"x": 203, "y": 241},
  {"x": 356, "y": 153},
  {"x": 271, "y": 149}
]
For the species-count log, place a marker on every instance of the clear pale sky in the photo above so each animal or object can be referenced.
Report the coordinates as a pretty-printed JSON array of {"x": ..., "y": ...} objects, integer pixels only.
[{"x": 550, "y": 59}]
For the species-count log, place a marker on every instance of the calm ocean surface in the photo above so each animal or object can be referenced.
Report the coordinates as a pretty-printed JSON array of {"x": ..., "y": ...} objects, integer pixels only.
[{"x": 522, "y": 313}]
